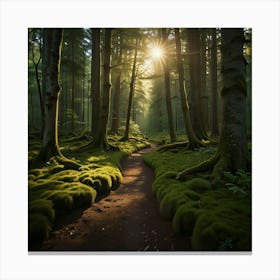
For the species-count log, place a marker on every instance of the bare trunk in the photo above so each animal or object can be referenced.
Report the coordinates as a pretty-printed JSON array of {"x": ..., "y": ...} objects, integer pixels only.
[
  {"x": 101, "y": 136},
  {"x": 214, "y": 91},
  {"x": 51, "y": 68},
  {"x": 168, "y": 92},
  {"x": 233, "y": 140},
  {"x": 95, "y": 81},
  {"x": 131, "y": 87},
  {"x": 195, "y": 81},
  {"x": 204, "y": 94},
  {"x": 116, "y": 101},
  {"x": 184, "y": 102}
]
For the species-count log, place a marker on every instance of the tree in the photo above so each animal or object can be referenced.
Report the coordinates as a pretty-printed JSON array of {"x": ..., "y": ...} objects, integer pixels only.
[
  {"x": 232, "y": 153},
  {"x": 131, "y": 90},
  {"x": 193, "y": 141},
  {"x": 52, "y": 40},
  {"x": 214, "y": 91},
  {"x": 36, "y": 64},
  {"x": 95, "y": 81},
  {"x": 193, "y": 37},
  {"x": 117, "y": 87},
  {"x": 168, "y": 90},
  {"x": 101, "y": 140}
]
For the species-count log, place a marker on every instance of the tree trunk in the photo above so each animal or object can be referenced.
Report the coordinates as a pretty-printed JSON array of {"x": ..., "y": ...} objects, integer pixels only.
[
  {"x": 116, "y": 101},
  {"x": 95, "y": 81},
  {"x": 233, "y": 140},
  {"x": 232, "y": 153},
  {"x": 195, "y": 81},
  {"x": 73, "y": 87},
  {"x": 101, "y": 136},
  {"x": 168, "y": 91},
  {"x": 51, "y": 90},
  {"x": 214, "y": 91},
  {"x": 193, "y": 141},
  {"x": 132, "y": 83},
  {"x": 204, "y": 95}
]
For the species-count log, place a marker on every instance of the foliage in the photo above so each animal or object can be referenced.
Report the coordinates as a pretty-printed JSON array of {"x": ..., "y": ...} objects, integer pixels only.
[
  {"x": 213, "y": 218},
  {"x": 238, "y": 183}
]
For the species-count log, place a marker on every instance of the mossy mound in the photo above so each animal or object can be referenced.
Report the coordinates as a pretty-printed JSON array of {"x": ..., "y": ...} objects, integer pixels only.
[
  {"x": 215, "y": 219},
  {"x": 199, "y": 185}
]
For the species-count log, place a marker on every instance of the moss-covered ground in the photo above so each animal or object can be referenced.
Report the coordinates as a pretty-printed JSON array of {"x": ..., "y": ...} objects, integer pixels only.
[
  {"x": 54, "y": 189},
  {"x": 213, "y": 218}
]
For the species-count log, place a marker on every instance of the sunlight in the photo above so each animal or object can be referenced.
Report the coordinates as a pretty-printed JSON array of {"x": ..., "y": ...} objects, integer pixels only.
[{"x": 156, "y": 52}]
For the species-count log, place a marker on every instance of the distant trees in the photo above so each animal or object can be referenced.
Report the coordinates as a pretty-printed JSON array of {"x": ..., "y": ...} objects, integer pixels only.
[{"x": 188, "y": 76}]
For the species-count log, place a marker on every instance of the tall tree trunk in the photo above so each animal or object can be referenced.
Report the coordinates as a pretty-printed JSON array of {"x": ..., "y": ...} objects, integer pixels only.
[
  {"x": 232, "y": 153},
  {"x": 131, "y": 91},
  {"x": 195, "y": 81},
  {"x": 194, "y": 142},
  {"x": 168, "y": 91},
  {"x": 73, "y": 87},
  {"x": 95, "y": 81},
  {"x": 51, "y": 90},
  {"x": 116, "y": 100},
  {"x": 214, "y": 91},
  {"x": 38, "y": 82},
  {"x": 204, "y": 95},
  {"x": 101, "y": 139},
  {"x": 233, "y": 140}
]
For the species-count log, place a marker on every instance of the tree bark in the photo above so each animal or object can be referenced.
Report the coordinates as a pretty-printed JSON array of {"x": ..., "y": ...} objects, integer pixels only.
[
  {"x": 95, "y": 81},
  {"x": 116, "y": 100},
  {"x": 195, "y": 82},
  {"x": 193, "y": 141},
  {"x": 204, "y": 95},
  {"x": 168, "y": 91},
  {"x": 214, "y": 91},
  {"x": 101, "y": 140},
  {"x": 232, "y": 153},
  {"x": 131, "y": 91},
  {"x": 51, "y": 90}
]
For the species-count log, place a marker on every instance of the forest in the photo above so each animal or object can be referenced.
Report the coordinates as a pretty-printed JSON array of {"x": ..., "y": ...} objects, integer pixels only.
[{"x": 139, "y": 139}]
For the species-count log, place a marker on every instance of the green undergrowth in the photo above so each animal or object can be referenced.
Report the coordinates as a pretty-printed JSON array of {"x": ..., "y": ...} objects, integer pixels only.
[
  {"x": 214, "y": 218},
  {"x": 54, "y": 190}
]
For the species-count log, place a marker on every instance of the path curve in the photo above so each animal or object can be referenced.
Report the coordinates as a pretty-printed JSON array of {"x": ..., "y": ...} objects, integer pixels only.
[{"x": 126, "y": 220}]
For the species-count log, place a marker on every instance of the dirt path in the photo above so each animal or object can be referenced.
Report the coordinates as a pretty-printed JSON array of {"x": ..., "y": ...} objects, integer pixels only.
[{"x": 126, "y": 220}]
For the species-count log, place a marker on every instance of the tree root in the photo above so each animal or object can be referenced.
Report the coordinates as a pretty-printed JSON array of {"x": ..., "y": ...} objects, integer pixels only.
[
  {"x": 173, "y": 146},
  {"x": 94, "y": 145},
  {"x": 188, "y": 145},
  {"x": 202, "y": 167}
]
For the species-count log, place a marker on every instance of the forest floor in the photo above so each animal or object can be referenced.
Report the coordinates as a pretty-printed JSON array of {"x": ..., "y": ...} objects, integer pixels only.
[{"x": 126, "y": 220}]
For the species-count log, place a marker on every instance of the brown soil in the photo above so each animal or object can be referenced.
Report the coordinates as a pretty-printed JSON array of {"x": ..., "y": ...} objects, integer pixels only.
[{"x": 126, "y": 220}]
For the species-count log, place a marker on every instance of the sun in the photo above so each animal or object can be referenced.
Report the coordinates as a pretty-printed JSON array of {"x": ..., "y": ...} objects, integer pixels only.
[{"x": 156, "y": 52}]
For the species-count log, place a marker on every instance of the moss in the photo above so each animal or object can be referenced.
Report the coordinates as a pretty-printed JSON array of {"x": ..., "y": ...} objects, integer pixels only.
[
  {"x": 184, "y": 220},
  {"x": 213, "y": 218},
  {"x": 199, "y": 185},
  {"x": 61, "y": 200},
  {"x": 212, "y": 230},
  {"x": 39, "y": 227},
  {"x": 170, "y": 202},
  {"x": 42, "y": 206}
]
